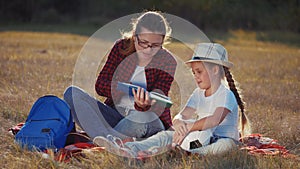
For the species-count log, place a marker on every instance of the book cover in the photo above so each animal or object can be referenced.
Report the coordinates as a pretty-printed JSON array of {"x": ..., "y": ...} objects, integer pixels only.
[{"x": 160, "y": 98}]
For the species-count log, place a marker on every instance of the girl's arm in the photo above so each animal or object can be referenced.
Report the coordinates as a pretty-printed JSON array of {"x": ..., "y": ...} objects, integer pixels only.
[
  {"x": 187, "y": 113},
  {"x": 179, "y": 122},
  {"x": 209, "y": 121},
  {"x": 183, "y": 128}
]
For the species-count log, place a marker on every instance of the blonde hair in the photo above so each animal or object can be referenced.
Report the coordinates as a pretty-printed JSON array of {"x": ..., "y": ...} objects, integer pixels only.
[
  {"x": 244, "y": 125},
  {"x": 244, "y": 121},
  {"x": 154, "y": 21}
]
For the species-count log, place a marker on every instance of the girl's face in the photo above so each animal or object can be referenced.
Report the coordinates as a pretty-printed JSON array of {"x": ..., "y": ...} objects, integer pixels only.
[
  {"x": 147, "y": 44},
  {"x": 201, "y": 75}
]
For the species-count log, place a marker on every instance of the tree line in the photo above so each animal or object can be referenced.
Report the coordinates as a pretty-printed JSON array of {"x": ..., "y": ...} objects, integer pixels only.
[{"x": 206, "y": 14}]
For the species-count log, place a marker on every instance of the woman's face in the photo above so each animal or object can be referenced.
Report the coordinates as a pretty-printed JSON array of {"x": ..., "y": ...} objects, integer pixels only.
[{"x": 147, "y": 44}]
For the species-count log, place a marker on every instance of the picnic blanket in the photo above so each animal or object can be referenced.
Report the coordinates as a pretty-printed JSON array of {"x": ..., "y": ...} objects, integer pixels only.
[
  {"x": 257, "y": 144},
  {"x": 78, "y": 143}
]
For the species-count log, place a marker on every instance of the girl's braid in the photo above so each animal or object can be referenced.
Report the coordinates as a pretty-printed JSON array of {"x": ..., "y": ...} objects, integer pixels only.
[{"x": 234, "y": 89}]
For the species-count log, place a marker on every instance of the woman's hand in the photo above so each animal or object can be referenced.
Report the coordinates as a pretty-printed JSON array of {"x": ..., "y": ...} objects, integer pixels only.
[{"x": 141, "y": 98}]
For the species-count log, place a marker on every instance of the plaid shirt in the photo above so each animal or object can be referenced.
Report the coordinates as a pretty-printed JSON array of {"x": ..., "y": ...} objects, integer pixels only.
[{"x": 119, "y": 67}]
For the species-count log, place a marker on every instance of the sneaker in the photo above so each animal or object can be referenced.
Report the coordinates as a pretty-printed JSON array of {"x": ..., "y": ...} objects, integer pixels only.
[
  {"x": 115, "y": 140},
  {"x": 111, "y": 145}
]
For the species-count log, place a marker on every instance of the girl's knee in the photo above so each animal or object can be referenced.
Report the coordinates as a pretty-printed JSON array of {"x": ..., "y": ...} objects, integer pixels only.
[{"x": 224, "y": 145}]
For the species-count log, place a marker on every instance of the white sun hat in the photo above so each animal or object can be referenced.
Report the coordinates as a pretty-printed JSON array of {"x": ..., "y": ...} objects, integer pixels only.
[{"x": 210, "y": 52}]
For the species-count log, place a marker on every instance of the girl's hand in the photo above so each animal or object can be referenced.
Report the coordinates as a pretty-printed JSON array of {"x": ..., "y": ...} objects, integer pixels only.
[
  {"x": 180, "y": 127},
  {"x": 178, "y": 138},
  {"x": 181, "y": 131},
  {"x": 141, "y": 97}
]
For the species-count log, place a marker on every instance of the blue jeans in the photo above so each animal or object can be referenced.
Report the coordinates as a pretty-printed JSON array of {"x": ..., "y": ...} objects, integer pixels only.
[
  {"x": 140, "y": 124},
  {"x": 99, "y": 119}
]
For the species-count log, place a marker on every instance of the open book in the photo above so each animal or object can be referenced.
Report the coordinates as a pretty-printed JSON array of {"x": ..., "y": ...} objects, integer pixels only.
[{"x": 160, "y": 98}]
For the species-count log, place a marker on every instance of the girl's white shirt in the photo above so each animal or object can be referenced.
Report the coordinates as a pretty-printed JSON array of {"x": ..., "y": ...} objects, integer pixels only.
[{"x": 206, "y": 106}]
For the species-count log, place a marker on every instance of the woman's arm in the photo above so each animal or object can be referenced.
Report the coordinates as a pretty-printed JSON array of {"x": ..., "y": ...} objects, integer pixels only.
[
  {"x": 104, "y": 81},
  {"x": 160, "y": 75}
]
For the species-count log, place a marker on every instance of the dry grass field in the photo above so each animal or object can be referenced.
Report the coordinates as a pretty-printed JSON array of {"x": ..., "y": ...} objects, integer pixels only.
[{"x": 35, "y": 64}]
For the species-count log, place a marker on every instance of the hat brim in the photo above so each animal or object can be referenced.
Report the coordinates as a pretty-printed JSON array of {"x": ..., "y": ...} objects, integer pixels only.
[{"x": 219, "y": 62}]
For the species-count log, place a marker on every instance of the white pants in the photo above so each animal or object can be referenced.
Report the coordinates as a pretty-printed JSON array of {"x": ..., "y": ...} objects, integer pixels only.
[{"x": 164, "y": 138}]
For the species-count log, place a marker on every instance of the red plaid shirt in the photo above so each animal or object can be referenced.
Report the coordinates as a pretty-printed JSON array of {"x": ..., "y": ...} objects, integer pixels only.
[{"x": 119, "y": 67}]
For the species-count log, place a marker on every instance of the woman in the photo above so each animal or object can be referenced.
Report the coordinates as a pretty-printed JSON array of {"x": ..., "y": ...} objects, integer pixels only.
[{"x": 138, "y": 59}]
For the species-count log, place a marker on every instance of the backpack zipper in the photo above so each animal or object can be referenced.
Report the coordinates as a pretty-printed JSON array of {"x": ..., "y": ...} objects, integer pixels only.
[{"x": 46, "y": 119}]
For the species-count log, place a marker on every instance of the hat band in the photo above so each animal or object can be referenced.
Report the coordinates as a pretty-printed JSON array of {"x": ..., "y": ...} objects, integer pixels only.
[{"x": 201, "y": 58}]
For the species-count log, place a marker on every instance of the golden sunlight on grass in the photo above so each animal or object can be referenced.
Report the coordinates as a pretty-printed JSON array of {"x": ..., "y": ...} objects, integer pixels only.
[{"x": 36, "y": 64}]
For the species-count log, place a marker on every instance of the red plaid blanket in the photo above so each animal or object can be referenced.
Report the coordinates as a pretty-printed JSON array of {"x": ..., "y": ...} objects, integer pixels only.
[{"x": 255, "y": 144}]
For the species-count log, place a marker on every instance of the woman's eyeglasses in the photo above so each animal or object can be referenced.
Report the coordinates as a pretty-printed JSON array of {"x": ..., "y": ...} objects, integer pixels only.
[{"x": 145, "y": 44}]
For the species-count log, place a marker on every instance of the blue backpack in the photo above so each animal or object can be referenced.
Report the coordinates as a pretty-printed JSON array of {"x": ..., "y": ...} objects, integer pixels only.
[{"x": 47, "y": 125}]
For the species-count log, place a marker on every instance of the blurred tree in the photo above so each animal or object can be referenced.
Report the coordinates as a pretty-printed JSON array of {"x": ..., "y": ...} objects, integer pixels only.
[{"x": 206, "y": 14}]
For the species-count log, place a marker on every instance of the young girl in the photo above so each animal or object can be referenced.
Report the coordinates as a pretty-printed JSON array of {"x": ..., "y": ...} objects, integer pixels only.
[
  {"x": 209, "y": 121},
  {"x": 140, "y": 59}
]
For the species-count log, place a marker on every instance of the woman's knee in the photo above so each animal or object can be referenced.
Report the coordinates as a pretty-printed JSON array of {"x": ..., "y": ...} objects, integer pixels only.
[
  {"x": 72, "y": 91},
  {"x": 142, "y": 117}
]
